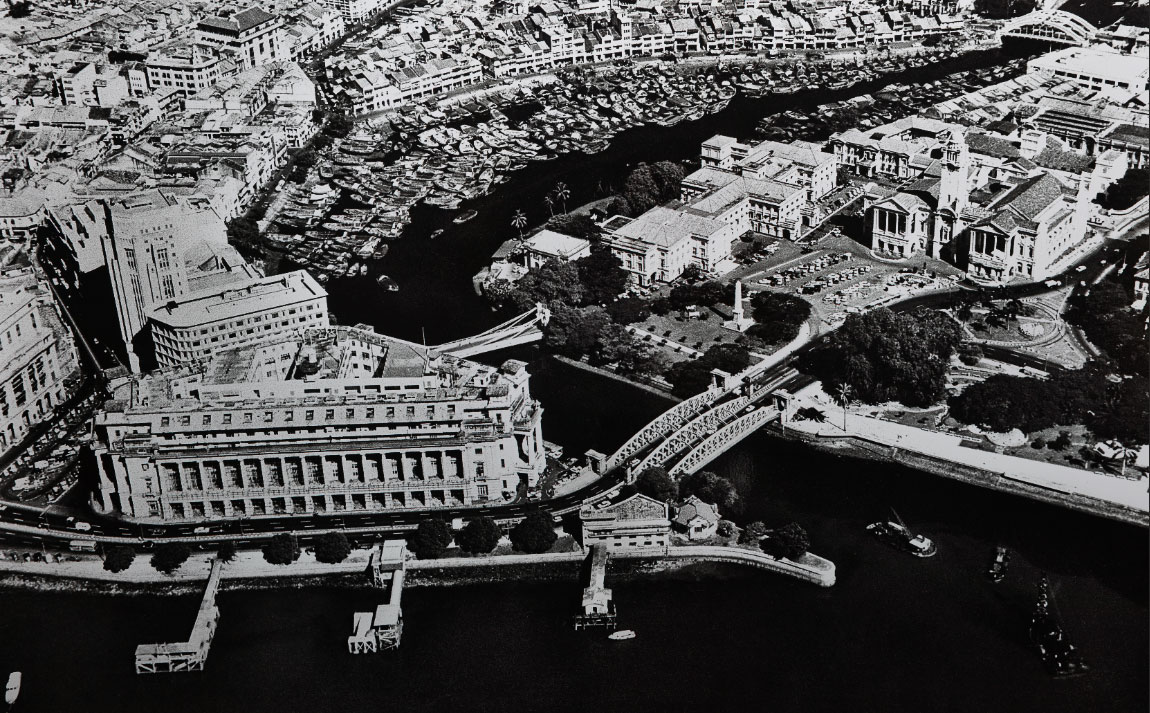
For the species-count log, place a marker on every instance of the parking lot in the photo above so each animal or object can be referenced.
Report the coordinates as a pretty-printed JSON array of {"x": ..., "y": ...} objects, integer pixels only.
[{"x": 839, "y": 277}]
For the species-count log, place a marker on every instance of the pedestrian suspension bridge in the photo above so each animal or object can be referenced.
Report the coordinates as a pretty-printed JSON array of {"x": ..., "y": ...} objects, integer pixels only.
[{"x": 524, "y": 329}]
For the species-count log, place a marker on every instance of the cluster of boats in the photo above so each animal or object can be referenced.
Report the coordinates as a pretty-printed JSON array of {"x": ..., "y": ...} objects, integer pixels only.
[
  {"x": 774, "y": 77},
  {"x": 1060, "y": 657},
  {"x": 364, "y": 187},
  {"x": 891, "y": 103}
]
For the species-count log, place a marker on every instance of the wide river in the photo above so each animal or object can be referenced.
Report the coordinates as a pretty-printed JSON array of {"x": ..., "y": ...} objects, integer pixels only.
[{"x": 894, "y": 634}]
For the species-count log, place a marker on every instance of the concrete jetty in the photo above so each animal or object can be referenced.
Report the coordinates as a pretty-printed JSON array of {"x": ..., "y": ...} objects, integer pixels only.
[{"x": 186, "y": 655}]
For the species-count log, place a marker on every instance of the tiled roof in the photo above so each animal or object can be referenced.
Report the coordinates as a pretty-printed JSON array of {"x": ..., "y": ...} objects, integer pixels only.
[{"x": 694, "y": 507}]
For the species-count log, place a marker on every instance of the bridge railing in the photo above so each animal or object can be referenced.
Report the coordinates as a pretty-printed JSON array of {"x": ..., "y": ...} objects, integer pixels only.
[
  {"x": 695, "y": 430},
  {"x": 718, "y": 443},
  {"x": 663, "y": 424}
]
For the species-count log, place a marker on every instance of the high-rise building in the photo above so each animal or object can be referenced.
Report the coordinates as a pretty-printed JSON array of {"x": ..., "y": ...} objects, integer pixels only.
[
  {"x": 152, "y": 237},
  {"x": 336, "y": 419}
]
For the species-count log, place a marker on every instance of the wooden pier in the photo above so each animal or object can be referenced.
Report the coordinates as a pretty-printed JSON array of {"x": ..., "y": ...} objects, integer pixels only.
[
  {"x": 382, "y": 629},
  {"x": 598, "y": 605},
  {"x": 186, "y": 655}
]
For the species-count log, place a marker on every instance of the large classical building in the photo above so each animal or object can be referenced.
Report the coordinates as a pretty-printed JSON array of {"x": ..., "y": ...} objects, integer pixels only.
[
  {"x": 336, "y": 419},
  {"x": 37, "y": 356}
]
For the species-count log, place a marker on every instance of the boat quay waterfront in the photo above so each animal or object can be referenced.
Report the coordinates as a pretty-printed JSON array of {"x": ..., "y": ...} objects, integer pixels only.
[
  {"x": 938, "y": 453},
  {"x": 250, "y": 571}
]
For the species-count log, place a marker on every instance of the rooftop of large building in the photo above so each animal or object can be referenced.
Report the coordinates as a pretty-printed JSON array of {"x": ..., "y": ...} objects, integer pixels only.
[
  {"x": 665, "y": 227},
  {"x": 230, "y": 300},
  {"x": 331, "y": 364},
  {"x": 1098, "y": 61},
  {"x": 240, "y": 22}
]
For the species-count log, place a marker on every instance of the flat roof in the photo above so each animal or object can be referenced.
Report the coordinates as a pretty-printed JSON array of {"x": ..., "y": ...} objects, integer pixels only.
[{"x": 251, "y": 296}]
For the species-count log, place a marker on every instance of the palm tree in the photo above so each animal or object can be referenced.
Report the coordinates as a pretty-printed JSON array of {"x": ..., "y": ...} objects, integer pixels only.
[
  {"x": 562, "y": 192},
  {"x": 550, "y": 204},
  {"x": 519, "y": 221}
]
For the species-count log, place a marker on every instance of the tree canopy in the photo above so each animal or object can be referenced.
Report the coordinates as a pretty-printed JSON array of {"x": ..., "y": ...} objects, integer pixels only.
[
  {"x": 332, "y": 548},
  {"x": 693, "y": 377},
  {"x": 647, "y": 186},
  {"x": 168, "y": 556},
  {"x": 226, "y": 552},
  {"x": 787, "y": 542},
  {"x": 655, "y": 482},
  {"x": 1126, "y": 191},
  {"x": 534, "y": 534},
  {"x": 479, "y": 536},
  {"x": 602, "y": 275},
  {"x": 431, "y": 538},
  {"x": 281, "y": 549},
  {"x": 778, "y": 316},
  {"x": 710, "y": 488},
  {"x": 1111, "y": 410},
  {"x": 118, "y": 558},
  {"x": 888, "y": 356},
  {"x": 1105, "y": 317}
]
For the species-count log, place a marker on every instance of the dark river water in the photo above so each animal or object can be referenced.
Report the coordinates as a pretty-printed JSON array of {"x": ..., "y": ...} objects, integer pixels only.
[{"x": 894, "y": 634}]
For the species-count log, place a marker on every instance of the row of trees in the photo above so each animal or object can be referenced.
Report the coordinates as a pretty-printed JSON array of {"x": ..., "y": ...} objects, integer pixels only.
[
  {"x": 1110, "y": 409},
  {"x": 657, "y": 483},
  {"x": 888, "y": 356},
  {"x": 533, "y": 534},
  {"x": 329, "y": 548}
]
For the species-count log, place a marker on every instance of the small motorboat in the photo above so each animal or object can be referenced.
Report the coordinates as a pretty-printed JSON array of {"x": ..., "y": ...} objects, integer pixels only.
[
  {"x": 997, "y": 571},
  {"x": 465, "y": 216},
  {"x": 12, "y": 690},
  {"x": 437, "y": 233},
  {"x": 387, "y": 283},
  {"x": 622, "y": 635}
]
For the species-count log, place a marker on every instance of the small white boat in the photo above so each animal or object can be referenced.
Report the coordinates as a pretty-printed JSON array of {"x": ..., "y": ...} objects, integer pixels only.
[
  {"x": 12, "y": 690},
  {"x": 622, "y": 635}
]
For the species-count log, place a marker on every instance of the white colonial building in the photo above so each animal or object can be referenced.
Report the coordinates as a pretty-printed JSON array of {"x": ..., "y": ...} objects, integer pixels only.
[{"x": 336, "y": 419}]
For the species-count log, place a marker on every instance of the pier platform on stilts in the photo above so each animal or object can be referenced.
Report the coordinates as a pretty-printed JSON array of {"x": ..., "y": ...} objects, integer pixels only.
[
  {"x": 598, "y": 606},
  {"x": 186, "y": 655},
  {"x": 382, "y": 629}
]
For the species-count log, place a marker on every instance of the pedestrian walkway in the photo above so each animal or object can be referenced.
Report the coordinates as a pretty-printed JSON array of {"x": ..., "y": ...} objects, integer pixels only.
[{"x": 935, "y": 444}]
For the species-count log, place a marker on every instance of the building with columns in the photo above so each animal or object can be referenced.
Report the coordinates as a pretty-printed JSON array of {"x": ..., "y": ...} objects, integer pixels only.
[{"x": 333, "y": 420}]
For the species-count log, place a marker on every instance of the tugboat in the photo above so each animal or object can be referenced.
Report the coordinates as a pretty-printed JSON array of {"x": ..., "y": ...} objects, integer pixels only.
[
  {"x": 997, "y": 571},
  {"x": 465, "y": 216},
  {"x": 1059, "y": 656},
  {"x": 896, "y": 534},
  {"x": 622, "y": 635}
]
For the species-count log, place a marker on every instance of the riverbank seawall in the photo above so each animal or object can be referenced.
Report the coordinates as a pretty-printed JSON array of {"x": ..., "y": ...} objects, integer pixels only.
[
  {"x": 249, "y": 571},
  {"x": 861, "y": 447}
]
